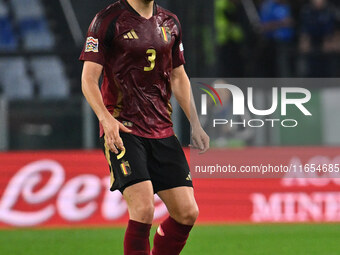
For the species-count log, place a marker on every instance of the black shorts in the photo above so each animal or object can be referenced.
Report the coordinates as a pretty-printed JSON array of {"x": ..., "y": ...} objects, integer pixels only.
[{"x": 162, "y": 161}]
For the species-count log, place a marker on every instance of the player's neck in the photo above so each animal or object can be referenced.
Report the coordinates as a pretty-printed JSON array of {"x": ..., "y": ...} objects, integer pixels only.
[{"x": 143, "y": 7}]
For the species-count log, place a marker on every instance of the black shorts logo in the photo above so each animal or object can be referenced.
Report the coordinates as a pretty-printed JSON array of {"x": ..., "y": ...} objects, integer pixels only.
[{"x": 125, "y": 167}]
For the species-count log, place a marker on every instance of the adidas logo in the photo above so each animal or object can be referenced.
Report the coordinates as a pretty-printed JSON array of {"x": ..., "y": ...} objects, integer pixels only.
[
  {"x": 131, "y": 35},
  {"x": 189, "y": 177}
]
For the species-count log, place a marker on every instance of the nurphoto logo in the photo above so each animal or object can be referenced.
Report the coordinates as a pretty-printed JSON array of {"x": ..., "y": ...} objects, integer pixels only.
[{"x": 239, "y": 104}]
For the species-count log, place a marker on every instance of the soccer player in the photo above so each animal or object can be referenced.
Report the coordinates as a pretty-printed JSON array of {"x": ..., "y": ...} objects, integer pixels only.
[{"x": 137, "y": 46}]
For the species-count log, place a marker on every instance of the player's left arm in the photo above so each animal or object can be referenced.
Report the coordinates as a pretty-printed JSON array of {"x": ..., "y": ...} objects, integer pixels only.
[{"x": 181, "y": 88}]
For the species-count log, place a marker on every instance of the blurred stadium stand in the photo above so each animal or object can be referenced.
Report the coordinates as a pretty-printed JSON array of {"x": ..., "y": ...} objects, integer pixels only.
[
  {"x": 30, "y": 17},
  {"x": 15, "y": 81},
  {"x": 40, "y": 42},
  {"x": 8, "y": 40},
  {"x": 35, "y": 74},
  {"x": 47, "y": 69},
  {"x": 28, "y": 40}
]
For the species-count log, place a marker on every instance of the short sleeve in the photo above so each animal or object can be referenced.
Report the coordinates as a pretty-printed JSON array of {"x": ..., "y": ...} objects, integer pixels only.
[
  {"x": 178, "y": 48},
  {"x": 94, "y": 49}
]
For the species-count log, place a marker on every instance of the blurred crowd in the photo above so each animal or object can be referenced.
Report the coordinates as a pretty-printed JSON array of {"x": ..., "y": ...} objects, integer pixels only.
[{"x": 278, "y": 38}]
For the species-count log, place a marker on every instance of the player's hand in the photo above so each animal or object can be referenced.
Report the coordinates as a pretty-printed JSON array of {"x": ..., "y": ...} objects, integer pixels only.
[
  {"x": 111, "y": 128},
  {"x": 200, "y": 139}
]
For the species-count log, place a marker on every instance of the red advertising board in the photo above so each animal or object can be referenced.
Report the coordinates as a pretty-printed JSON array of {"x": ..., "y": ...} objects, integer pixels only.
[{"x": 70, "y": 188}]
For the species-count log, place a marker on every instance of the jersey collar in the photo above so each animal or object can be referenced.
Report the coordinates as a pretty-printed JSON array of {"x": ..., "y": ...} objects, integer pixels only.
[{"x": 130, "y": 8}]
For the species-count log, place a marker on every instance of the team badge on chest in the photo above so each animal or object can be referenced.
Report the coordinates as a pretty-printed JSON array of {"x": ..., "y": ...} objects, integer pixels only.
[{"x": 166, "y": 34}]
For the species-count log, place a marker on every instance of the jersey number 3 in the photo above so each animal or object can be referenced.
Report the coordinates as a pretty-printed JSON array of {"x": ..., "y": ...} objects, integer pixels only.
[{"x": 151, "y": 59}]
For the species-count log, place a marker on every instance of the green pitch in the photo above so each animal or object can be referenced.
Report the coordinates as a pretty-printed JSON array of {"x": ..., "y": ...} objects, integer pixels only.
[{"x": 211, "y": 240}]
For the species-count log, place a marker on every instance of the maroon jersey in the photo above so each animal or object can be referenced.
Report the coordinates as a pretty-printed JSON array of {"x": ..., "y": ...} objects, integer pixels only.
[{"x": 138, "y": 56}]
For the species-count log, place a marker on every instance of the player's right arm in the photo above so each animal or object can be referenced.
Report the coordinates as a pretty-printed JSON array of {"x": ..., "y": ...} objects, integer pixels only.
[{"x": 90, "y": 87}]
